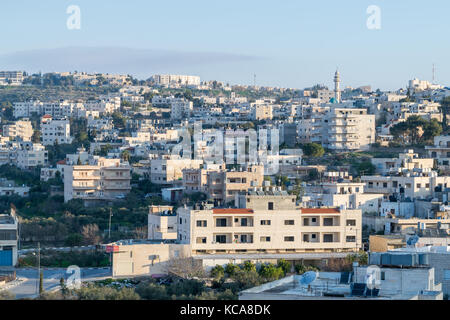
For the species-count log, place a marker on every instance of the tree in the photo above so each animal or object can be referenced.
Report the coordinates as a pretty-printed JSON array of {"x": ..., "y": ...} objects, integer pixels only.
[
  {"x": 271, "y": 272},
  {"x": 217, "y": 272},
  {"x": 231, "y": 269},
  {"x": 249, "y": 266},
  {"x": 365, "y": 168},
  {"x": 286, "y": 266},
  {"x": 74, "y": 239},
  {"x": 416, "y": 130},
  {"x": 126, "y": 155},
  {"x": 36, "y": 137},
  {"x": 91, "y": 234},
  {"x": 313, "y": 150}
]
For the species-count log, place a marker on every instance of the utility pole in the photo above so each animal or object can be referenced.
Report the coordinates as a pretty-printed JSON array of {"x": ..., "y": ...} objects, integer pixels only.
[
  {"x": 109, "y": 231},
  {"x": 39, "y": 268}
]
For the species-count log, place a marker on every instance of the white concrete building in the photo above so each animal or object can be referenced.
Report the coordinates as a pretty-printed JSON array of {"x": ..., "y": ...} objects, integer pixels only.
[
  {"x": 30, "y": 155},
  {"x": 55, "y": 130}
]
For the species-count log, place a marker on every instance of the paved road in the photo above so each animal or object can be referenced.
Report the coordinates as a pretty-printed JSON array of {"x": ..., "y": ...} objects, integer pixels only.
[{"x": 27, "y": 285}]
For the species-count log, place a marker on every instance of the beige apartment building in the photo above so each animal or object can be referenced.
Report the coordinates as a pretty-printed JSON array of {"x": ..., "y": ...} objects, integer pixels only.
[
  {"x": 20, "y": 129},
  {"x": 220, "y": 184},
  {"x": 343, "y": 129},
  {"x": 104, "y": 179},
  {"x": 269, "y": 222},
  {"x": 169, "y": 171}
]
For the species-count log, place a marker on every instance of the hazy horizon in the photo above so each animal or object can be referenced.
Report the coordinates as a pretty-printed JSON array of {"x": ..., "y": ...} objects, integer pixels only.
[{"x": 292, "y": 44}]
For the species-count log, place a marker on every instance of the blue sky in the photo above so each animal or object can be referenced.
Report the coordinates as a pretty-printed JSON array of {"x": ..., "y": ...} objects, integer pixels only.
[{"x": 285, "y": 43}]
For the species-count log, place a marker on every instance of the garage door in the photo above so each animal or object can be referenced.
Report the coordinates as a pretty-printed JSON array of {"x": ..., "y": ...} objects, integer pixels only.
[{"x": 6, "y": 258}]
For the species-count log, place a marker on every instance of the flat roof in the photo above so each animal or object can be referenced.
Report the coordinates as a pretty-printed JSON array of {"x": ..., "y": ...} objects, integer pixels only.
[
  {"x": 258, "y": 256},
  {"x": 320, "y": 210},
  {"x": 232, "y": 211}
]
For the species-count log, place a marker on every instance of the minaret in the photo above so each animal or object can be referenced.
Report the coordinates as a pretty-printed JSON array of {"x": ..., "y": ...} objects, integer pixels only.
[{"x": 337, "y": 90}]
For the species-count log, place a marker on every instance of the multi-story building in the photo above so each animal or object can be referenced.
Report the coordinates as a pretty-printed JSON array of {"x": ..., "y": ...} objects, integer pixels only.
[
  {"x": 412, "y": 185},
  {"x": 27, "y": 109},
  {"x": 262, "y": 112},
  {"x": 347, "y": 129},
  {"x": 9, "y": 226},
  {"x": 162, "y": 223},
  {"x": 55, "y": 130},
  {"x": 170, "y": 170},
  {"x": 102, "y": 179},
  {"x": 21, "y": 129},
  {"x": 348, "y": 195},
  {"x": 168, "y": 79},
  {"x": 406, "y": 161},
  {"x": 9, "y": 188},
  {"x": 222, "y": 185},
  {"x": 29, "y": 155},
  {"x": 180, "y": 108},
  {"x": 11, "y": 77},
  {"x": 269, "y": 222},
  {"x": 440, "y": 151}
]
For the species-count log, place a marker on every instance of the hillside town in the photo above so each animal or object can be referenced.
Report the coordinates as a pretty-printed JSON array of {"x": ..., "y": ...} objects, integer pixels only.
[{"x": 252, "y": 192}]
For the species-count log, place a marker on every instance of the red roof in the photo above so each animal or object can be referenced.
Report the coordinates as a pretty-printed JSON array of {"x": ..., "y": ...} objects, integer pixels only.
[
  {"x": 46, "y": 116},
  {"x": 232, "y": 211},
  {"x": 61, "y": 162},
  {"x": 320, "y": 210}
]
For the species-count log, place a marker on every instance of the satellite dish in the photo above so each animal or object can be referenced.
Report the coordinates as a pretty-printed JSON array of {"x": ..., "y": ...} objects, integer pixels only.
[
  {"x": 413, "y": 240},
  {"x": 307, "y": 278}
]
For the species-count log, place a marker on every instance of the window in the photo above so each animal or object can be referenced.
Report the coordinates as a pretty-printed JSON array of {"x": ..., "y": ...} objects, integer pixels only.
[
  {"x": 384, "y": 184},
  {"x": 270, "y": 206},
  {"x": 289, "y": 239},
  {"x": 383, "y": 275},
  {"x": 221, "y": 238},
  {"x": 350, "y": 239},
  {"x": 265, "y": 239},
  {"x": 419, "y": 186},
  {"x": 351, "y": 222},
  {"x": 201, "y": 223},
  {"x": 313, "y": 220},
  {"x": 265, "y": 222},
  {"x": 221, "y": 222},
  {"x": 201, "y": 240},
  {"x": 327, "y": 238},
  {"x": 328, "y": 222},
  {"x": 289, "y": 222}
]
